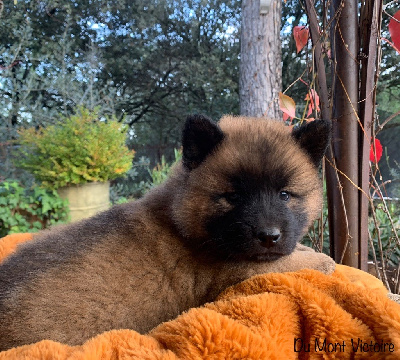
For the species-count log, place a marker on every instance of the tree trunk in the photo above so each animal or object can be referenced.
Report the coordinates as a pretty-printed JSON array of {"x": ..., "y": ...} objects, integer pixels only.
[
  {"x": 345, "y": 48},
  {"x": 260, "y": 68}
]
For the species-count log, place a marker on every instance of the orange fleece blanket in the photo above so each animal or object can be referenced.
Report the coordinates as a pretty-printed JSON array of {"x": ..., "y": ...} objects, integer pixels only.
[{"x": 301, "y": 315}]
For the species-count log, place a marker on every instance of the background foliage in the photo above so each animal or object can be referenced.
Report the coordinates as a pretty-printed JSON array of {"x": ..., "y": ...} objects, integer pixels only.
[
  {"x": 147, "y": 63},
  {"x": 79, "y": 149},
  {"x": 29, "y": 210}
]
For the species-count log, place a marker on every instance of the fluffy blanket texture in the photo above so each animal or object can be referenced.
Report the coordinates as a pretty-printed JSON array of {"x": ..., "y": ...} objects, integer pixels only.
[{"x": 301, "y": 315}]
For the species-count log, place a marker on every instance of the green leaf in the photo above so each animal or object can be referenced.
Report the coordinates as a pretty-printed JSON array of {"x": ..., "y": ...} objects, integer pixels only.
[
  {"x": 37, "y": 225},
  {"x": 45, "y": 207},
  {"x": 12, "y": 219}
]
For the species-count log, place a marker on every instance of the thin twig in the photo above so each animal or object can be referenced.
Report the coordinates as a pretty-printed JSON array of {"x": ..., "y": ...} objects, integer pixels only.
[
  {"x": 337, "y": 171},
  {"x": 321, "y": 223},
  {"x": 391, "y": 117},
  {"x": 389, "y": 4},
  {"x": 378, "y": 273},
  {"x": 386, "y": 211},
  {"x": 294, "y": 82},
  {"x": 380, "y": 245},
  {"x": 352, "y": 106}
]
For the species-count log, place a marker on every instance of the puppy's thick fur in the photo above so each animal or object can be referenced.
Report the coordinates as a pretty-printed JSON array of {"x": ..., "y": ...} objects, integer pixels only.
[{"x": 243, "y": 195}]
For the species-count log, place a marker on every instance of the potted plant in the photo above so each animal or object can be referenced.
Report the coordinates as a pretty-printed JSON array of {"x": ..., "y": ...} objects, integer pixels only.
[{"x": 78, "y": 156}]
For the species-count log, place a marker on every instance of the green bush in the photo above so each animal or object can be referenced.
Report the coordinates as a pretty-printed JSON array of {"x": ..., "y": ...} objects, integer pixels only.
[
  {"x": 395, "y": 172},
  {"x": 161, "y": 171},
  {"x": 134, "y": 184},
  {"x": 390, "y": 247},
  {"x": 29, "y": 210},
  {"x": 382, "y": 230},
  {"x": 79, "y": 149}
]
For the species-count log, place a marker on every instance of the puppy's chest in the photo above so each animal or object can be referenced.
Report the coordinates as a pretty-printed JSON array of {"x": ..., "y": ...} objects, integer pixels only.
[{"x": 158, "y": 273}]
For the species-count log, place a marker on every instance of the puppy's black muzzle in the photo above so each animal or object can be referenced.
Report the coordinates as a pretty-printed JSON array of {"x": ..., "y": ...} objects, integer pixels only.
[{"x": 269, "y": 237}]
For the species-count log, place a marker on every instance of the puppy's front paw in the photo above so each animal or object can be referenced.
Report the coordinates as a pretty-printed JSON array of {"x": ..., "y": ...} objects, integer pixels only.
[
  {"x": 300, "y": 247},
  {"x": 298, "y": 260},
  {"x": 313, "y": 260},
  {"x": 325, "y": 264}
]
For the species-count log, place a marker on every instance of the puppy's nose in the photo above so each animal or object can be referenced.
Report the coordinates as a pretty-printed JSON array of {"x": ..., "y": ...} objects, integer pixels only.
[{"x": 269, "y": 237}]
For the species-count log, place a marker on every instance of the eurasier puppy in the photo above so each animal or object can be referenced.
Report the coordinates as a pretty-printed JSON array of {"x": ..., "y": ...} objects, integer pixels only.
[{"x": 243, "y": 195}]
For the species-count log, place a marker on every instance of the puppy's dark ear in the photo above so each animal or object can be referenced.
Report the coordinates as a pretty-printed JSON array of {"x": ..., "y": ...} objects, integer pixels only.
[
  {"x": 314, "y": 137},
  {"x": 199, "y": 138}
]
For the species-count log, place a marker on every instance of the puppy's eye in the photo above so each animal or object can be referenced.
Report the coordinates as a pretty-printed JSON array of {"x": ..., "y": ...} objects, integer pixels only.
[
  {"x": 231, "y": 197},
  {"x": 284, "y": 195}
]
